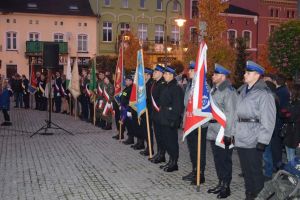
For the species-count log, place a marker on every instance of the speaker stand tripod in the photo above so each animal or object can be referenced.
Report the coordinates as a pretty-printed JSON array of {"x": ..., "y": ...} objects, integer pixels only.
[{"x": 49, "y": 124}]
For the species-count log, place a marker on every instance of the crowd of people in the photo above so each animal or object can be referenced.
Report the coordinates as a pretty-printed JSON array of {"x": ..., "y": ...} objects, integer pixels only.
[{"x": 262, "y": 118}]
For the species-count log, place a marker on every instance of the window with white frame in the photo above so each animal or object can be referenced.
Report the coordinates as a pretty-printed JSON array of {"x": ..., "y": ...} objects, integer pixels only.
[
  {"x": 159, "y": 34},
  {"x": 82, "y": 43},
  {"x": 194, "y": 35},
  {"x": 195, "y": 10},
  {"x": 124, "y": 3},
  {"x": 158, "y": 4},
  {"x": 11, "y": 40},
  {"x": 231, "y": 36},
  {"x": 143, "y": 31},
  {"x": 175, "y": 34},
  {"x": 142, "y": 3},
  {"x": 33, "y": 36},
  {"x": 175, "y": 6},
  {"x": 107, "y": 32},
  {"x": 125, "y": 27},
  {"x": 106, "y": 2},
  {"x": 58, "y": 37},
  {"x": 247, "y": 37}
]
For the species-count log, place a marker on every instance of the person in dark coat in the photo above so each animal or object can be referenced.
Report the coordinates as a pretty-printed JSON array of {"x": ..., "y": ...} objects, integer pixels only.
[
  {"x": 283, "y": 95},
  {"x": 18, "y": 92},
  {"x": 57, "y": 92},
  {"x": 5, "y": 95},
  {"x": 149, "y": 82},
  {"x": 25, "y": 83},
  {"x": 292, "y": 121},
  {"x": 158, "y": 86},
  {"x": 171, "y": 108}
]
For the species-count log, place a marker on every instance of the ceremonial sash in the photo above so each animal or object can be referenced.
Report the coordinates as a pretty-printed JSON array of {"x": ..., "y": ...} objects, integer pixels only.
[
  {"x": 153, "y": 101},
  {"x": 87, "y": 90},
  {"x": 100, "y": 92},
  {"x": 106, "y": 96},
  {"x": 63, "y": 90},
  {"x": 107, "y": 109},
  {"x": 41, "y": 88},
  {"x": 100, "y": 104}
]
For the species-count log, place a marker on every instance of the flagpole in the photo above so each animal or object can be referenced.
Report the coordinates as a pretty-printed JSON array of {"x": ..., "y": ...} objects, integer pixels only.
[
  {"x": 198, "y": 159},
  {"x": 75, "y": 108},
  {"x": 94, "y": 110},
  {"x": 148, "y": 133}
]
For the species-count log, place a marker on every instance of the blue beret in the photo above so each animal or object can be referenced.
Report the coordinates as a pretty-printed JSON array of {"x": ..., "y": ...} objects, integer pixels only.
[
  {"x": 252, "y": 66},
  {"x": 159, "y": 68},
  {"x": 192, "y": 65},
  {"x": 170, "y": 70},
  {"x": 148, "y": 70},
  {"x": 219, "y": 69}
]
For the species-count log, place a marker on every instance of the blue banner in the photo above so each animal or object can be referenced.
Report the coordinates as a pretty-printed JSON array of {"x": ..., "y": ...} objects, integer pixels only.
[{"x": 141, "y": 89}]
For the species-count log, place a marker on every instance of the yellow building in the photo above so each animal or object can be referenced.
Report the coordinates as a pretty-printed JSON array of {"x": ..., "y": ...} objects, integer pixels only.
[{"x": 26, "y": 25}]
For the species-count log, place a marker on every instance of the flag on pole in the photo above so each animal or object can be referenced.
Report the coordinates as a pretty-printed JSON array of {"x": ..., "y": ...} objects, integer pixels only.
[
  {"x": 138, "y": 93},
  {"x": 119, "y": 75},
  {"x": 74, "y": 86},
  {"x": 32, "y": 87},
  {"x": 198, "y": 109},
  {"x": 69, "y": 73},
  {"x": 93, "y": 81}
]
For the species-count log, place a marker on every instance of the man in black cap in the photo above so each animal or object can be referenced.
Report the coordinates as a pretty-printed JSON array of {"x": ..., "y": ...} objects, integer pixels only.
[
  {"x": 156, "y": 90},
  {"x": 192, "y": 138},
  {"x": 149, "y": 82},
  {"x": 171, "y": 108}
]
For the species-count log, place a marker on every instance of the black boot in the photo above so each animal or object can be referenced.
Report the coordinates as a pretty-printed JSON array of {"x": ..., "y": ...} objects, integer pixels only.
[
  {"x": 250, "y": 196},
  {"x": 155, "y": 156},
  {"x": 161, "y": 158},
  {"x": 129, "y": 140},
  {"x": 146, "y": 152},
  {"x": 202, "y": 179},
  {"x": 225, "y": 191},
  {"x": 190, "y": 176},
  {"x": 172, "y": 166},
  {"x": 166, "y": 165},
  {"x": 216, "y": 189},
  {"x": 140, "y": 145},
  {"x": 107, "y": 126}
]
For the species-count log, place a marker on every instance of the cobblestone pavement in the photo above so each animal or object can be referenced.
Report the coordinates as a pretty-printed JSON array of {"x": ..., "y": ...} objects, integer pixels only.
[{"x": 89, "y": 165}]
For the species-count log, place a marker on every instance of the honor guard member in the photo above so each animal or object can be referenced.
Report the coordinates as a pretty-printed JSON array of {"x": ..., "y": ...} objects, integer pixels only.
[
  {"x": 224, "y": 97},
  {"x": 100, "y": 100},
  {"x": 149, "y": 82},
  {"x": 156, "y": 89},
  {"x": 43, "y": 103},
  {"x": 84, "y": 97},
  {"x": 171, "y": 108},
  {"x": 25, "y": 83},
  {"x": 192, "y": 138},
  {"x": 57, "y": 92},
  {"x": 124, "y": 113},
  {"x": 253, "y": 127}
]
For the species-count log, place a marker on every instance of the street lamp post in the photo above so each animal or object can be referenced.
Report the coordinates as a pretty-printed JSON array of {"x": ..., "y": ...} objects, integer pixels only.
[{"x": 180, "y": 22}]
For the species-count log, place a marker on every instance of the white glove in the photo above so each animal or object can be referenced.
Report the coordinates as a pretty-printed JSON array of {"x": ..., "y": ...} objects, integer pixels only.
[{"x": 129, "y": 114}]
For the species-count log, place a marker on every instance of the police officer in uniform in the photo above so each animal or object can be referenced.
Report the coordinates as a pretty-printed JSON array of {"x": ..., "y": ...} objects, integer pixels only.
[
  {"x": 224, "y": 97},
  {"x": 254, "y": 124},
  {"x": 192, "y": 138},
  {"x": 84, "y": 97},
  {"x": 25, "y": 83},
  {"x": 43, "y": 103},
  {"x": 149, "y": 82},
  {"x": 171, "y": 108},
  {"x": 156, "y": 89}
]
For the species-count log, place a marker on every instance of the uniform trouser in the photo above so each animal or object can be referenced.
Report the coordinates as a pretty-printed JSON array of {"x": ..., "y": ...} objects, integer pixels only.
[
  {"x": 26, "y": 100},
  {"x": 251, "y": 164},
  {"x": 6, "y": 115},
  {"x": 192, "y": 143},
  {"x": 19, "y": 99},
  {"x": 85, "y": 107},
  {"x": 170, "y": 140},
  {"x": 223, "y": 162},
  {"x": 159, "y": 137},
  {"x": 276, "y": 146},
  {"x": 43, "y": 103},
  {"x": 57, "y": 101},
  {"x": 117, "y": 114},
  {"x": 91, "y": 105},
  {"x": 37, "y": 100}
]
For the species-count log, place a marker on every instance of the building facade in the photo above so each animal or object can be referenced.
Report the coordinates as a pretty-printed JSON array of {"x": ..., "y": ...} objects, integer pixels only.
[
  {"x": 143, "y": 18},
  {"x": 254, "y": 20},
  {"x": 27, "y": 25}
]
